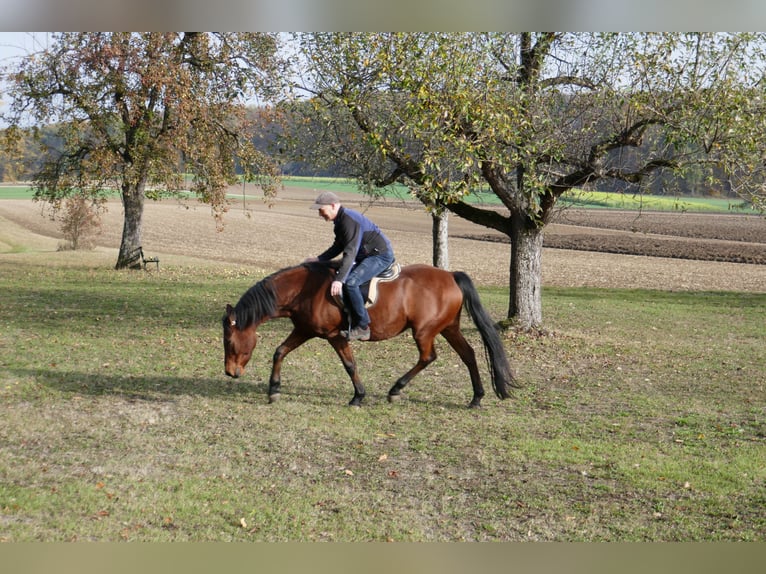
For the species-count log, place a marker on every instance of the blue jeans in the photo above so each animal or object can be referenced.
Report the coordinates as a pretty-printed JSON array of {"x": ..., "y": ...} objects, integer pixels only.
[{"x": 362, "y": 272}]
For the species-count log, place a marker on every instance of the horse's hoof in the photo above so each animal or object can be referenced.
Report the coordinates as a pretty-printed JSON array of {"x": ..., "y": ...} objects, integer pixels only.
[
  {"x": 474, "y": 405},
  {"x": 274, "y": 398},
  {"x": 394, "y": 398}
]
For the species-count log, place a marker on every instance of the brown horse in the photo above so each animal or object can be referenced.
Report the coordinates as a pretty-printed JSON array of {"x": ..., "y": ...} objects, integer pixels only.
[{"x": 423, "y": 298}]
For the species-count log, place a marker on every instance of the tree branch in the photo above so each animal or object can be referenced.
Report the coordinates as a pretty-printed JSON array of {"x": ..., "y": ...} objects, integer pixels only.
[{"x": 485, "y": 217}]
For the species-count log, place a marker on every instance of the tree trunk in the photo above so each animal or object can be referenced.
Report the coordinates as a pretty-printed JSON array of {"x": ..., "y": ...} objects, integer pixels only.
[
  {"x": 525, "y": 274},
  {"x": 525, "y": 297},
  {"x": 440, "y": 231},
  {"x": 133, "y": 205}
]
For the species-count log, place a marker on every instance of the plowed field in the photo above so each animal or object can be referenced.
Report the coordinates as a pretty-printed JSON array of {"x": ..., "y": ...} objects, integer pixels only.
[{"x": 683, "y": 251}]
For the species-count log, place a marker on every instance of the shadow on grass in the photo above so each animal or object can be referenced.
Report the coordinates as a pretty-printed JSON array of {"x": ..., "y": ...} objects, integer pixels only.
[
  {"x": 152, "y": 305},
  {"x": 158, "y": 388},
  {"x": 721, "y": 299},
  {"x": 164, "y": 388}
]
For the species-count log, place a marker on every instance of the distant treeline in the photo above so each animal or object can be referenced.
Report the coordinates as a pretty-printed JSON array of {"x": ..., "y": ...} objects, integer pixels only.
[{"x": 695, "y": 182}]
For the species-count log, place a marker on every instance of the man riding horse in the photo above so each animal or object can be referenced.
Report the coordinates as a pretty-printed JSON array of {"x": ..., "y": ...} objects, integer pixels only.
[{"x": 365, "y": 251}]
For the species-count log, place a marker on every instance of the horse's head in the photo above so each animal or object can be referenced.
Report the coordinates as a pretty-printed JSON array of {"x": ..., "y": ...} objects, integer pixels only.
[{"x": 238, "y": 344}]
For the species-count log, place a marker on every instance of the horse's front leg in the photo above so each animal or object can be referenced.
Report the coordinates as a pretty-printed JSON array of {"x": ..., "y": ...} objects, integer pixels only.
[
  {"x": 293, "y": 341},
  {"x": 341, "y": 346}
]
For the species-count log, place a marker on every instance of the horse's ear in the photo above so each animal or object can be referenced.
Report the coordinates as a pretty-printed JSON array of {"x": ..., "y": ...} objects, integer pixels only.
[{"x": 231, "y": 315}]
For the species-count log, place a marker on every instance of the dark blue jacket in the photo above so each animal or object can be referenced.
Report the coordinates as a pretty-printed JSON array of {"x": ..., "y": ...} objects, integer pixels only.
[{"x": 356, "y": 237}]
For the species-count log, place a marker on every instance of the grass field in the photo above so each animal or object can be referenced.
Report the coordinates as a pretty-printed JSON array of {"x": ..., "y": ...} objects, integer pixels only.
[
  {"x": 576, "y": 198},
  {"x": 642, "y": 418}
]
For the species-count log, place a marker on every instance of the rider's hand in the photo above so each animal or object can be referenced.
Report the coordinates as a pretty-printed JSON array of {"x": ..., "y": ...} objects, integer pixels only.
[{"x": 336, "y": 288}]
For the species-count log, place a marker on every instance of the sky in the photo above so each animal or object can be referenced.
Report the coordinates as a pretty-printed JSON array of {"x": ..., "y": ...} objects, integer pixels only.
[{"x": 13, "y": 44}]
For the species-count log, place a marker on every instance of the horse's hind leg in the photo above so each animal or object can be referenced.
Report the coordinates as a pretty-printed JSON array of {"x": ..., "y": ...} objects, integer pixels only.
[
  {"x": 427, "y": 356},
  {"x": 466, "y": 353}
]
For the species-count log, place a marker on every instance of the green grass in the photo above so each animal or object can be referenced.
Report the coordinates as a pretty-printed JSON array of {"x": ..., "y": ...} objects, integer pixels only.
[
  {"x": 636, "y": 202},
  {"x": 641, "y": 418},
  {"x": 16, "y": 192},
  {"x": 576, "y": 198}
]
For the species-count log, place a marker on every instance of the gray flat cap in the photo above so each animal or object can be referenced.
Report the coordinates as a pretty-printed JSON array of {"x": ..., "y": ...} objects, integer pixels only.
[{"x": 325, "y": 198}]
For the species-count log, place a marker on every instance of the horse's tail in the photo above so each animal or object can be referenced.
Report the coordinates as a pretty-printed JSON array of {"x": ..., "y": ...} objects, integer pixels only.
[{"x": 497, "y": 361}]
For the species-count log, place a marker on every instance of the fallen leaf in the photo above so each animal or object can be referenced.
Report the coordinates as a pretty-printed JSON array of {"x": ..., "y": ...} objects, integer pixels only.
[
  {"x": 349, "y": 472},
  {"x": 242, "y": 523},
  {"x": 382, "y": 457}
]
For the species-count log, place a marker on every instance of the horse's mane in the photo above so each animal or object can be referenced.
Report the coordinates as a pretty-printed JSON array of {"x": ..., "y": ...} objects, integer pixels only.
[
  {"x": 260, "y": 301},
  {"x": 256, "y": 303}
]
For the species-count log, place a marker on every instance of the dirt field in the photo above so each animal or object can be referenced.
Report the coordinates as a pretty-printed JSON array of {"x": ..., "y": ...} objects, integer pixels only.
[{"x": 681, "y": 251}]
